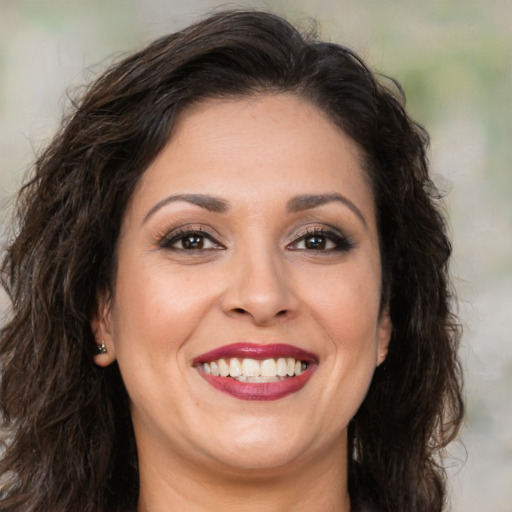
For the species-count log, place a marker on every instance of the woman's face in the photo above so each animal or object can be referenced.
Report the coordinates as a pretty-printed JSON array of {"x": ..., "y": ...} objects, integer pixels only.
[{"x": 251, "y": 236}]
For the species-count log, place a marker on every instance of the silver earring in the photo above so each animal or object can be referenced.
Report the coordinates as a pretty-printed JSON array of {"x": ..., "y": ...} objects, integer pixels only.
[{"x": 101, "y": 349}]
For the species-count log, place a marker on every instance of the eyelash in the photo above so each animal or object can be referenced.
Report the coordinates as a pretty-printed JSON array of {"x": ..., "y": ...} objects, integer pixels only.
[
  {"x": 341, "y": 243},
  {"x": 168, "y": 240}
]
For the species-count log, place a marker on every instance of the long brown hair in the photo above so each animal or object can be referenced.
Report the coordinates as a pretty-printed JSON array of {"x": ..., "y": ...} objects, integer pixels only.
[{"x": 69, "y": 443}]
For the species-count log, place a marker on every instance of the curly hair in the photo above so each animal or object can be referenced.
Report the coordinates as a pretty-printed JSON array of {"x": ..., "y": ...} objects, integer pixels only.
[{"x": 69, "y": 443}]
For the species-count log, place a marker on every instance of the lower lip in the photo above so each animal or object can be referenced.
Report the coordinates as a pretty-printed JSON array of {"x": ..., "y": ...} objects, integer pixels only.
[{"x": 266, "y": 391}]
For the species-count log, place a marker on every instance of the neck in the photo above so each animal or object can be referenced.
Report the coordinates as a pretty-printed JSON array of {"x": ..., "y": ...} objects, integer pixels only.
[{"x": 175, "y": 485}]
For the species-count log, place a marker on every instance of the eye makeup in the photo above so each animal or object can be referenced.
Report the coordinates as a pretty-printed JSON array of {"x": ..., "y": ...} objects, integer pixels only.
[
  {"x": 190, "y": 238},
  {"x": 321, "y": 239}
]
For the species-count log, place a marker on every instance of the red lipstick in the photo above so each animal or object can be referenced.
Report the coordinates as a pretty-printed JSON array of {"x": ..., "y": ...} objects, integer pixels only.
[
  {"x": 259, "y": 391},
  {"x": 255, "y": 351}
]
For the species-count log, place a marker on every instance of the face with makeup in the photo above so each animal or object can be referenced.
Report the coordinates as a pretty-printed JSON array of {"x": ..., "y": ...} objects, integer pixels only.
[{"x": 246, "y": 316}]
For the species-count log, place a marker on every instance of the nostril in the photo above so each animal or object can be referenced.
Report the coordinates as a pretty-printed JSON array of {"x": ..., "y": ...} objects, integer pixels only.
[{"x": 242, "y": 311}]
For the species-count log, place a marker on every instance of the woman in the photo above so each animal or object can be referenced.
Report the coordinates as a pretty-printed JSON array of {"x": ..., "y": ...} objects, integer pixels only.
[{"x": 229, "y": 289}]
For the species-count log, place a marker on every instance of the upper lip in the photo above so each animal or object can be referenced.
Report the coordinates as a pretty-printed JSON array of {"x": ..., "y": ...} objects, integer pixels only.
[{"x": 256, "y": 351}]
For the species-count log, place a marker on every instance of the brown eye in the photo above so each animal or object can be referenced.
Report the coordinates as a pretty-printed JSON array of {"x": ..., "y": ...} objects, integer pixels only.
[
  {"x": 316, "y": 242},
  {"x": 321, "y": 240},
  {"x": 190, "y": 241}
]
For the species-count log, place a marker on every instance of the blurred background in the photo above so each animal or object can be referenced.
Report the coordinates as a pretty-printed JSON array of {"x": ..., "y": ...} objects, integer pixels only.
[{"x": 454, "y": 60}]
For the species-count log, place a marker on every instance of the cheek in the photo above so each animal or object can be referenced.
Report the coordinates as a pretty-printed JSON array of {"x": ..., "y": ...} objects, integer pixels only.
[
  {"x": 157, "y": 309},
  {"x": 346, "y": 304},
  {"x": 346, "y": 309}
]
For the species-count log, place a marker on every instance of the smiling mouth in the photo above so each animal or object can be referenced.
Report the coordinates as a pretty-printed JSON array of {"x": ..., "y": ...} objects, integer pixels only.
[
  {"x": 254, "y": 370},
  {"x": 249, "y": 371}
]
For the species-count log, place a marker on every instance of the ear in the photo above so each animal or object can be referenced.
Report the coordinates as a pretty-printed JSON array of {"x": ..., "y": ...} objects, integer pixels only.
[
  {"x": 384, "y": 330},
  {"x": 101, "y": 325}
]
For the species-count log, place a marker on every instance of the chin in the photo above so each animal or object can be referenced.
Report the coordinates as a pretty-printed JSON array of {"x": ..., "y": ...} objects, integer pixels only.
[
  {"x": 264, "y": 446},
  {"x": 256, "y": 458}
]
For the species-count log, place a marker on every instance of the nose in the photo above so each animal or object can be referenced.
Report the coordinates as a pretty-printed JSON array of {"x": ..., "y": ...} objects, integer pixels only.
[{"x": 259, "y": 289}]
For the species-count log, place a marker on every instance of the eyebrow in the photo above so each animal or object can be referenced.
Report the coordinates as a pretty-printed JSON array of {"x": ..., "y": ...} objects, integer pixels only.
[
  {"x": 210, "y": 203},
  {"x": 294, "y": 205},
  {"x": 309, "y": 201}
]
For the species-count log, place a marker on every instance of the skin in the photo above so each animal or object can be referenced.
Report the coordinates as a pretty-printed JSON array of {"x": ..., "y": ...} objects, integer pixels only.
[{"x": 255, "y": 279}]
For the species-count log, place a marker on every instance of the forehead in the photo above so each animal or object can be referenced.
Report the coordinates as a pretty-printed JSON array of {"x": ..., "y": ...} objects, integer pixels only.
[{"x": 256, "y": 148}]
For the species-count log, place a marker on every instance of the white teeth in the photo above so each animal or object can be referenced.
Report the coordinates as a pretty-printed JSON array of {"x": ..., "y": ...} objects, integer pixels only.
[
  {"x": 262, "y": 379},
  {"x": 223, "y": 367},
  {"x": 250, "y": 368},
  {"x": 290, "y": 364},
  {"x": 282, "y": 367},
  {"x": 214, "y": 368},
  {"x": 268, "y": 368},
  {"x": 235, "y": 368},
  {"x": 254, "y": 370}
]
